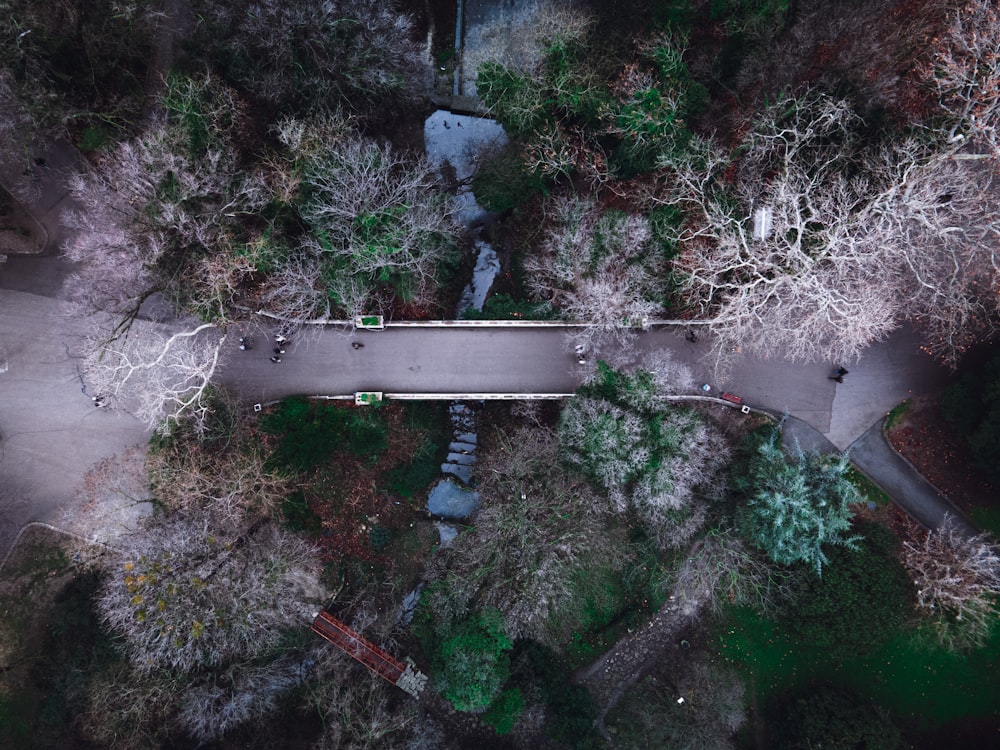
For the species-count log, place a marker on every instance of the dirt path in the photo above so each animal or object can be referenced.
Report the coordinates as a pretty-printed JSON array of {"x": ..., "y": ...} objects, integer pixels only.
[{"x": 612, "y": 674}]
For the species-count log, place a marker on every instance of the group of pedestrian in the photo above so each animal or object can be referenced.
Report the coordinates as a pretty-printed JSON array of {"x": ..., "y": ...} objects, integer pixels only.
[{"x": 280, "y": 341}]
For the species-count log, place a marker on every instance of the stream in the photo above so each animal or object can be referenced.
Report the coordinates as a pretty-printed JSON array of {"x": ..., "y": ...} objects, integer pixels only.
[{"x": 455, "y": 142}]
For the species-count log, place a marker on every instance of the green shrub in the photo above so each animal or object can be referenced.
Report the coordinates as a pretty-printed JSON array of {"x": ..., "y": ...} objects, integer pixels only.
[
  {"x": 312, "y": 433},
  {"x": 516, "y": 101},
  {"x": 379, "y": 537},
  {"x": 473, "y": 663},
  {"x": 504, "y": 712},
  {"x": 505, "y": 307},
  {"x": 412, "y": 478},
  {"x": 503, "y": 182},
  {"x": 299, "y": 517}
]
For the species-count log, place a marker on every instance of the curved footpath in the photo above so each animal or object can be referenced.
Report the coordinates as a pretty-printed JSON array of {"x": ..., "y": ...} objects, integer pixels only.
[{"x": 878, "y": 460}]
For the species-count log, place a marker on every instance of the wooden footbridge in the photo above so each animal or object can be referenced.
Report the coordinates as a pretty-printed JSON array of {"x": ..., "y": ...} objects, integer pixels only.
[{"x": 401, "y": 674}]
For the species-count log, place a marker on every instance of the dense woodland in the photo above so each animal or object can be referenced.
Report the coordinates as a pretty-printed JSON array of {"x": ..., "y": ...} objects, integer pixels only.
[{"x": 795, "y": 178}]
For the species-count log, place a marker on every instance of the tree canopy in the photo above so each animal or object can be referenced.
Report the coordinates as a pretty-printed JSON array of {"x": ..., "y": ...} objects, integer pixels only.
[{"x": 794, "y": 504}]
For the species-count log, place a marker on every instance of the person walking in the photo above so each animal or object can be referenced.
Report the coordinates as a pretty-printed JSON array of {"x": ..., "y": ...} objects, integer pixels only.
[
  {"x": 357, "y": 345},
  {"x": 275, "y": 359}
]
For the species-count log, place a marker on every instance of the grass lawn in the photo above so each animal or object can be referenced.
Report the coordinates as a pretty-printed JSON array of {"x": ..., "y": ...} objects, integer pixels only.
[{"x": 923, "y": 687}]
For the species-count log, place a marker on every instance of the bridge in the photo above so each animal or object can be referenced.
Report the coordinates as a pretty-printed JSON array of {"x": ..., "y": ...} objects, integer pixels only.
[
  {"x": 401, "y": 674},
  {"x": 532, "y": 359}
]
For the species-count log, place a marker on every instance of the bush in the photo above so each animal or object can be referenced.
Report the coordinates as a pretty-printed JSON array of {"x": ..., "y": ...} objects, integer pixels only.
[
  {"x": 834, "y": 719},
  {"x": 473, "y": 663},
  {"x": 863, "y": 597},
  {"x": 299, "y": 517},
  {"x": 503, "y": 182},
  {"x": 503, "y": 713},
  {"x": 409, "y": 479},
  {"x": 505, "y": 307},
  {"x": 972, "y": 407}
]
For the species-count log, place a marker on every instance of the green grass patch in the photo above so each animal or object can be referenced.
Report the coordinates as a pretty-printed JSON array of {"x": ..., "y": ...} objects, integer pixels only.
[
  {"x": 412, "y": 478},
  {"x": 922, "y": 686},
  {"x": 870, "y": 491},
  {"x": 896, "y": 414},
  {"x": 608, "y": 603}
]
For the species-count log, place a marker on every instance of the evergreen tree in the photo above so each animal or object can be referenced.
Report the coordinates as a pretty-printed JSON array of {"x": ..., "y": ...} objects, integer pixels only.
[{"x": 794, "y": 504}]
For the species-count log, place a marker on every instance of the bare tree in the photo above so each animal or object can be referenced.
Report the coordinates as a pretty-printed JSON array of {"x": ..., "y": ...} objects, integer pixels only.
[
  {"x": 539, "y": 525},
  {"x": 230, "y": 482},
  {"x": 965, "y": 73},
  {"x": 379, "y": 218},
  {"x": 649, "y": 454},
  {"x": 128, "y": 711},
  {"x": 957, "y": 578},
  {"x": 784, "y": 262},
  {"x": 164, "y": 212},
  {"x": 113, "y": 499},
  {"x": 938, "y": 225},
  {"x": 817, "y": 242},
  {"x": 701, "y": 705},
  {"x": 518, "y": 40},
  {"x": 598, "y": 267},
  {"x": 722, "y": 566},
  {"x": 360, "y": 54},
  {"x": 162, "y": 376},
  {"x": 184, "y": 595},
  {"x": 242, "y": 694},
  {"x": 357, "y": 709}
]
